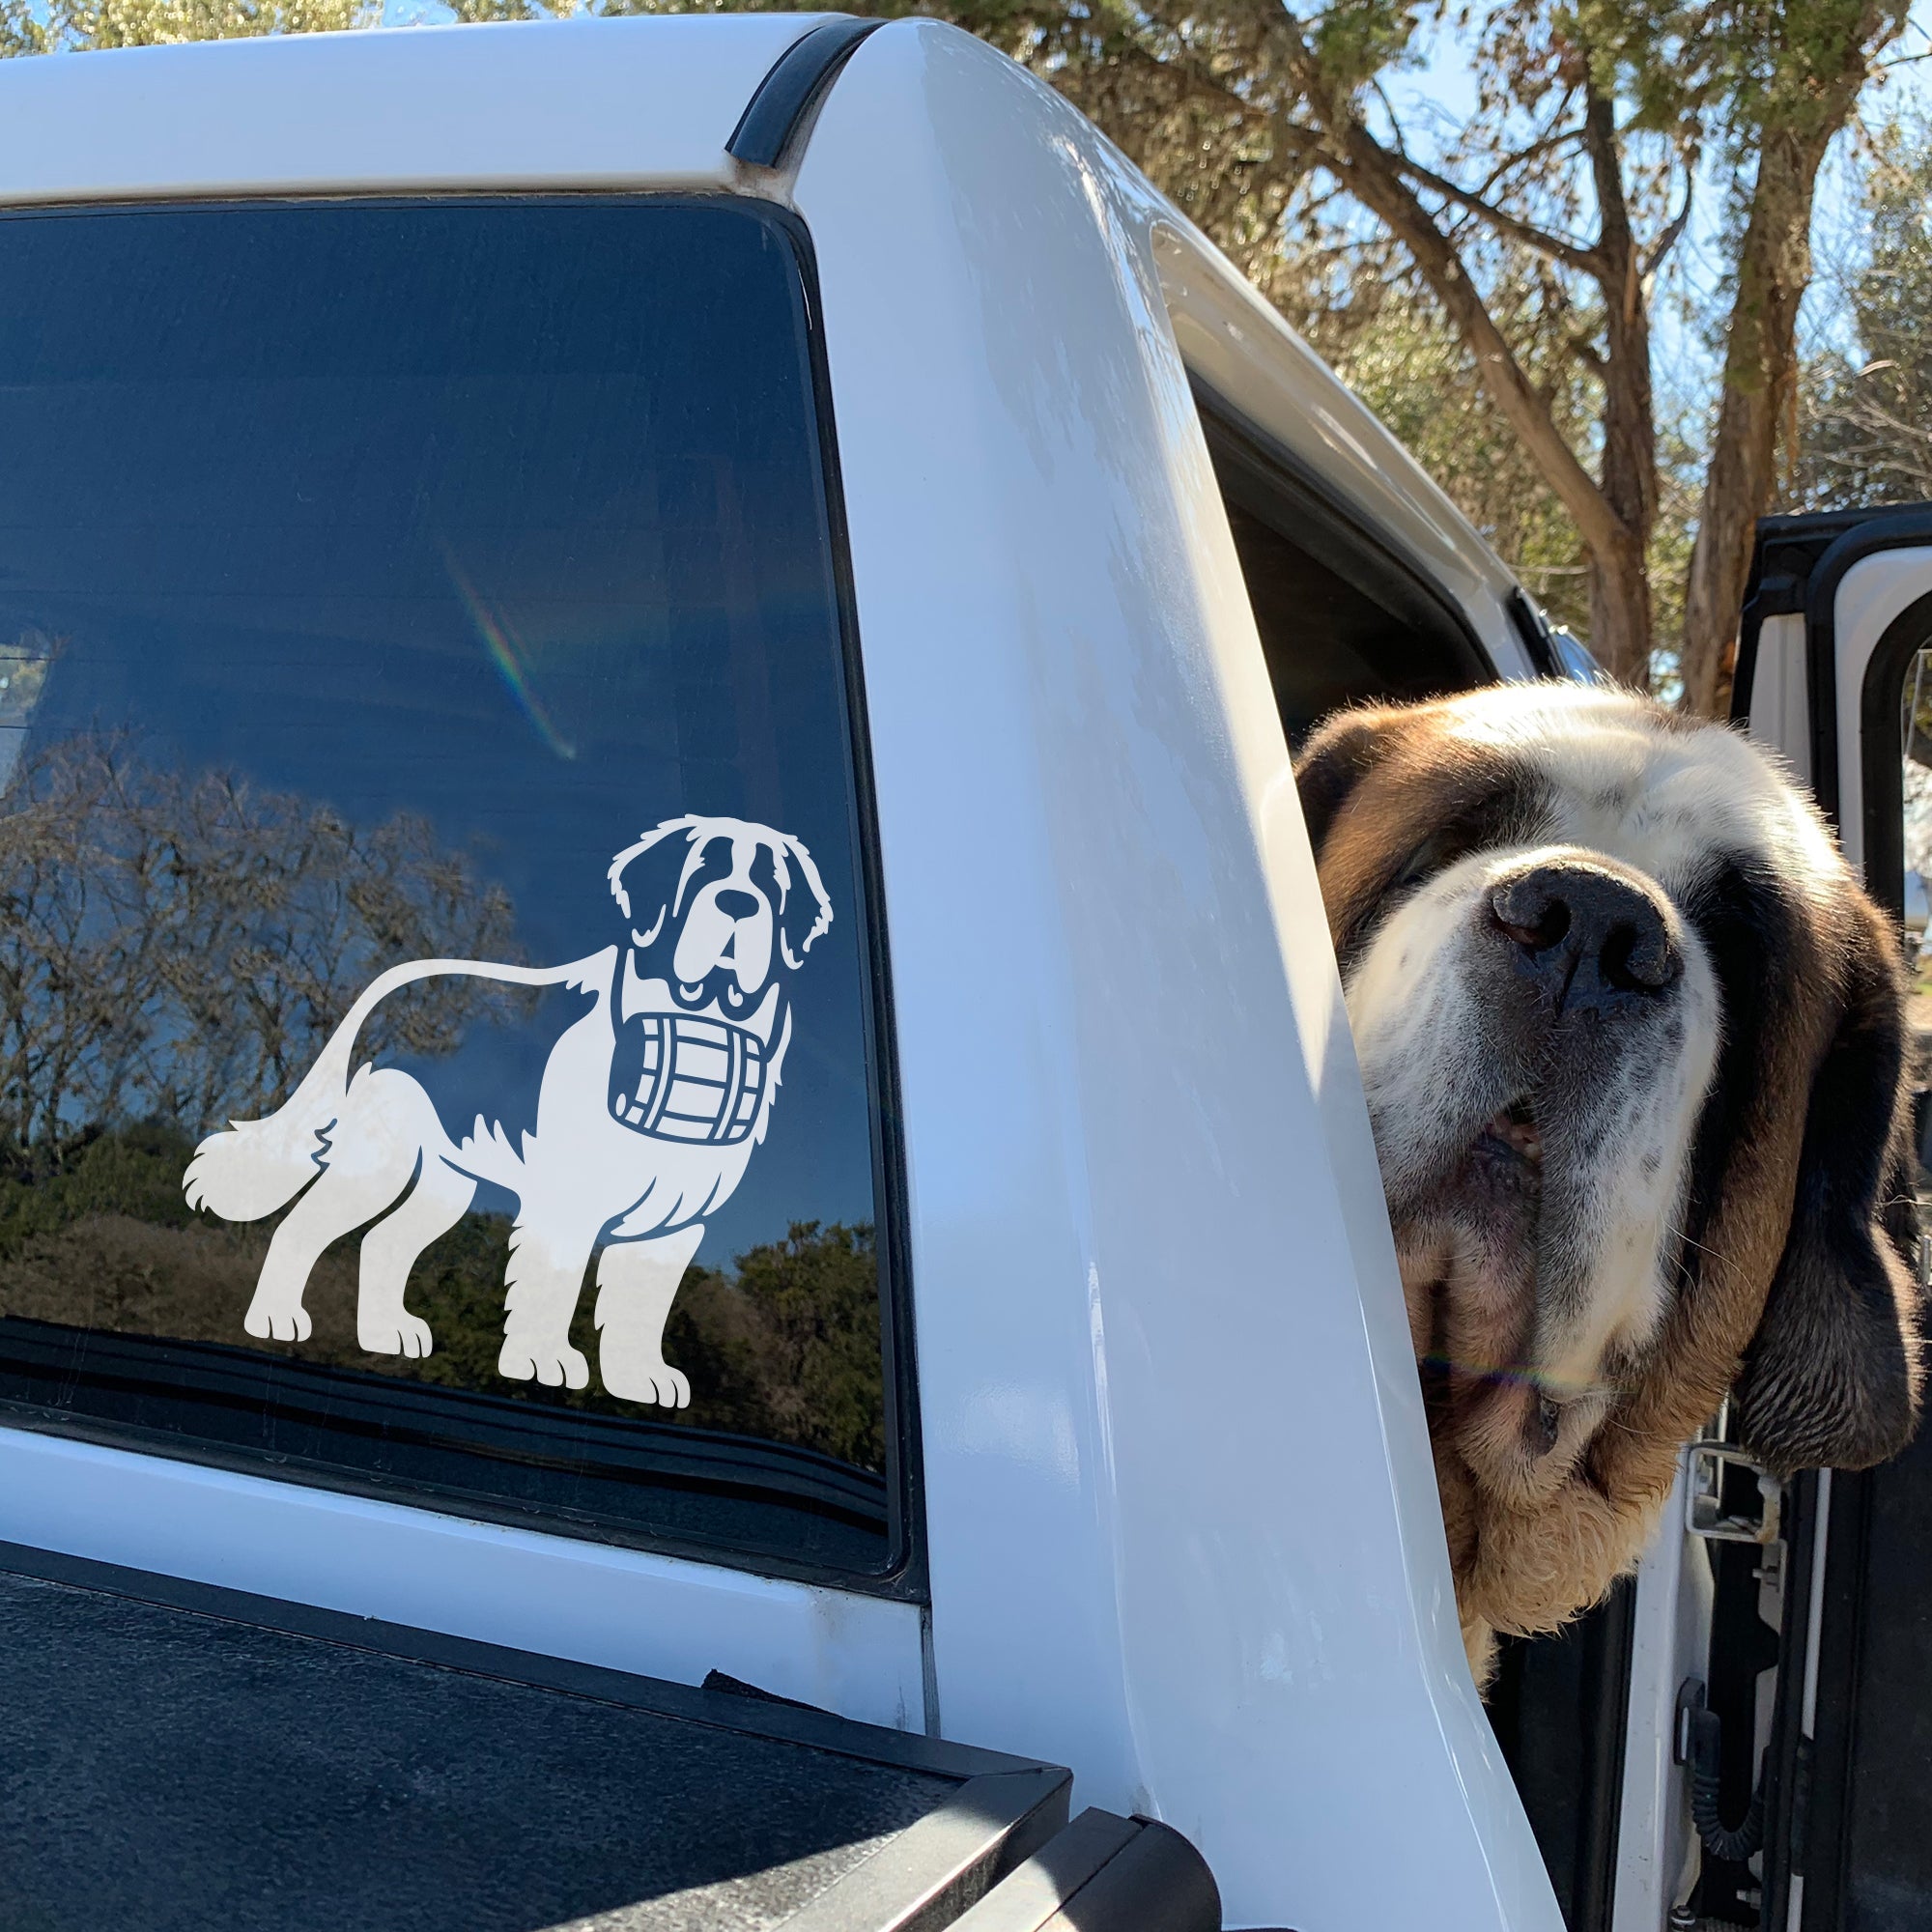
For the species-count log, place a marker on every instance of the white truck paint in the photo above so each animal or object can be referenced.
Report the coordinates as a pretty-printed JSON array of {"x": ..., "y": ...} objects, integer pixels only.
[{"x": 1179, "y": 1503}]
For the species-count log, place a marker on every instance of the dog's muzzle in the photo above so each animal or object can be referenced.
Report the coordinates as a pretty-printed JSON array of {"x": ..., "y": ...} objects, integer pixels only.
[{"x": 687, "y": 1079}]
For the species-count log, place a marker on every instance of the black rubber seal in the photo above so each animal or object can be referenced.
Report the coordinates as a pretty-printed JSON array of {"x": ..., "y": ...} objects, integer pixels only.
[{"x": 793, "y": 88}]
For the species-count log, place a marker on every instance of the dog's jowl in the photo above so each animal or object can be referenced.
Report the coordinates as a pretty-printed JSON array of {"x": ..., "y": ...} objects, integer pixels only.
[
  {"x": 1633, "y": 1045},
  {"x": 650, "y": 1106}
]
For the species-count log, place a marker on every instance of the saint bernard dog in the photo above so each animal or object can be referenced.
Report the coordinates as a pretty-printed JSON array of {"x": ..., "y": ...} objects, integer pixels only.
[
  {"x": 650, "y": 1105},
  {"x": 1635, "y": 1054}
]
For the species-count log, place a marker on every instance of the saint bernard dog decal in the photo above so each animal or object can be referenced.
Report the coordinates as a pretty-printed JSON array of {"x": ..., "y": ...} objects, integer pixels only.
[{"x": 649, "y": 1108}]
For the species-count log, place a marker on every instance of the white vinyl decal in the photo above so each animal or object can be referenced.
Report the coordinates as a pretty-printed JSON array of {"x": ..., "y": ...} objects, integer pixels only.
[{"x": 649, "y": 1107}]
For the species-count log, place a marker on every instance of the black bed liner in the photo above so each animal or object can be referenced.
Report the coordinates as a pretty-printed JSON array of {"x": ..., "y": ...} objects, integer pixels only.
[{"x": 177, "y": 1756}]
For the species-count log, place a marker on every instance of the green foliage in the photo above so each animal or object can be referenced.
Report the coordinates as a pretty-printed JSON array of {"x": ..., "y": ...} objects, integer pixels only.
[
  {"x": 786, "y": 1348},
  {"x": 1717, "y": 73},
  {"x": 68, "y": 24},
  {"x": 790, "y": 1349},
  {"x": 136, "y": 1173},
  {"x": 1357, "y": 40},
  {"x": 1406, "y": 364}
]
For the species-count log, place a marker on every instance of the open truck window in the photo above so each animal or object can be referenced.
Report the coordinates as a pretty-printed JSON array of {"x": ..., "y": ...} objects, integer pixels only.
[
  {"x": 442, "y": 1050},
  {"x": 1342, "y": 619}
]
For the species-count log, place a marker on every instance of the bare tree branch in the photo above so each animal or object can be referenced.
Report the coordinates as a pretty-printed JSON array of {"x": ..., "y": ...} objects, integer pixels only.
[
  {"x": 1535, "y": 152},
  {"x": 1557, "y": 247},
  {"x": 1661, "y": 248},
  {"x": 1375, "y": 176}
]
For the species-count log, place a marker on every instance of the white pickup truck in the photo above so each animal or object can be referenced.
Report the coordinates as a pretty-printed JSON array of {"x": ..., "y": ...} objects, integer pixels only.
[{"x": 719, "y": 605}]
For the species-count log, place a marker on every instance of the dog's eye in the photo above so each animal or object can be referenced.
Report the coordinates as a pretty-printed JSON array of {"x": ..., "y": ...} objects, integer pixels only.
[{"x": 1425, "y": 858}]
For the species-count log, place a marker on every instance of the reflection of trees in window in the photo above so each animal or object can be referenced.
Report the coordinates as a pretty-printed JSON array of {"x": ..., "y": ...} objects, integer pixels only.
[
  {"x": 789, "y": 1348},
  {"x": 176, "y": 948},
  {"x": 784, "y": 1347},
  {"x": 173, "y": 950}
]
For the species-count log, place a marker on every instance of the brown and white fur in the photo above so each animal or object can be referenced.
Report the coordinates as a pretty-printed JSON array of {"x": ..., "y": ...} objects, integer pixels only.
[{"x": 1635, "y": 1049}]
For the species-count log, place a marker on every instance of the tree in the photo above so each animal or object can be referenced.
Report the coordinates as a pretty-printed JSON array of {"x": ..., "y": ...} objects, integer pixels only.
[
  {"x": 176, "y": 948},
  {"x": 1389, "y": 341},
  {"x": 1539, "y": 229},
  {"x": 1794, "y": 103},
  {"x": 1865, "y": 404},
  {"x": 29, "y": 29}
]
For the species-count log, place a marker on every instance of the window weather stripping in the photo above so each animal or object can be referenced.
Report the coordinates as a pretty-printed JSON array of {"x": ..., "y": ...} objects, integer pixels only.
[{"x": 795, "y": 85}]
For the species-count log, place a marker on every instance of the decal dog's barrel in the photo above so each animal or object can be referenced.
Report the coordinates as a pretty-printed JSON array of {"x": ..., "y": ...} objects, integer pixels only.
[{"x": 687, "y": 1079}]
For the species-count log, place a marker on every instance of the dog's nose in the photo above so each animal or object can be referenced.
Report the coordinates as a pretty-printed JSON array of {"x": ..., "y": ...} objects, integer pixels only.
[
  {"x": 1588, "y": 939},
  {"x": 734, "y": 904}
]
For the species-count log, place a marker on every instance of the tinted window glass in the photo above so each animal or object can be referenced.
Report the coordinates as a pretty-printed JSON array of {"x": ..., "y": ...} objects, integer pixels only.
[{"x": 426, "y": 748}]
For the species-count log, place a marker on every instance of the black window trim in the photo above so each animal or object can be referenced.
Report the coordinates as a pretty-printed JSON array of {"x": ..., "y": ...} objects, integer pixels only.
[
  {"x": 904, "y": 1574},
  {"x": 1811, "y": 1779},
  {"x": 1798, "y": 564},
  {"x": 1533, "y": 632}
]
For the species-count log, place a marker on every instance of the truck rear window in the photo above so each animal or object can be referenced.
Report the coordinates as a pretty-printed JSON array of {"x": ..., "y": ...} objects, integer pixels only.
[{"x": 439, "y": 1052}]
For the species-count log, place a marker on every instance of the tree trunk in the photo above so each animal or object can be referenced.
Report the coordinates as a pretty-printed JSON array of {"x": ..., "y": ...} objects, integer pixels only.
[
  {"x": 1620, "y": 633},
  {"x": 1761, "y": 355},
  {"x": 1760, "y": 373},
  {"x": 1612, "y": 515}
]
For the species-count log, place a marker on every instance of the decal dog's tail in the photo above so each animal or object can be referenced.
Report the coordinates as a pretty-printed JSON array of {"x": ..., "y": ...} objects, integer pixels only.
[{"x": 250, "y": 1168}]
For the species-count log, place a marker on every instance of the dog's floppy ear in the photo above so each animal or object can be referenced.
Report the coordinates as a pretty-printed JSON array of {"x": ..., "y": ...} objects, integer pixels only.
[
  {"x": 1339, "y": 752},
  {"x": 643, "y": 877},
  {"x": 1831, "y": 1380},
  {"x": 804, "y": 912}
]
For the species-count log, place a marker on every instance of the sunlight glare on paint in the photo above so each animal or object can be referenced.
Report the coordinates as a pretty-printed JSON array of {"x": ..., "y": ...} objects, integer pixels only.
[{"x": 500, "y": 641}]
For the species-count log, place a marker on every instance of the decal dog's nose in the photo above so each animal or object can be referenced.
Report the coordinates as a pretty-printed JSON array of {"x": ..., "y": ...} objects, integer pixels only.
[
  {"x": 1586, "y": 937},
  {"x": 734, "y": 904}
]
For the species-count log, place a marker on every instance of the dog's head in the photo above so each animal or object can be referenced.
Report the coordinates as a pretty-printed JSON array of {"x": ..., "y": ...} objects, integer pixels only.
[
  {"x": 717, "y": 904},
  {"x": 1635, "y": 1050}
]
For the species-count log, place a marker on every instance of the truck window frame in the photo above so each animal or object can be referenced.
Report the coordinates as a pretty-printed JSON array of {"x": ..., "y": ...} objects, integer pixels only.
[
  {"x": 1279, "y": 491},
  {"x": 903, "y": 1574}
]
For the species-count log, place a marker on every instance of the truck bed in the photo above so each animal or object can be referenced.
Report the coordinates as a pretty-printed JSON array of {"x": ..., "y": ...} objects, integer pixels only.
[{"x": 179, "y": 1756}]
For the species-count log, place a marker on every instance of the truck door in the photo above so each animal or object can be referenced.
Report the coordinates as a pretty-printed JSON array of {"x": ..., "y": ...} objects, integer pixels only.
[{"x": 1835, "y": 668}]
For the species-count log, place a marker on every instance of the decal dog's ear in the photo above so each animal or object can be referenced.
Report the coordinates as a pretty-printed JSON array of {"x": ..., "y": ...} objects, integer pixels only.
[
  {"x": 643, "y": 877},
  {"x": 1831, "y": 1379},
  {"x": 1338, "y": 755},
  {"x": 804, "y": 912}
]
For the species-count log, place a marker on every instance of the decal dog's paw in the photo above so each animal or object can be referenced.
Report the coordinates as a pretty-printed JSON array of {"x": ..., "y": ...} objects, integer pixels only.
[
  {"x": 398, "y": 1333},
  {"x": 273, "y": 1322},
  {"x": 652, "y": 1381},
  {"x": 559, "y": 1367},
  {"x": 637, "y": 1282}
]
